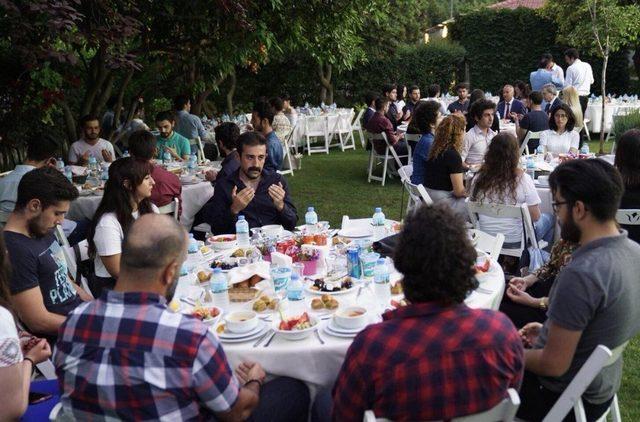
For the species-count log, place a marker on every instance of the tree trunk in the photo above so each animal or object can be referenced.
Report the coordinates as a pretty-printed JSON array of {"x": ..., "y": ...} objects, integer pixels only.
[
  {"x": 94, "y": 82},
  {"x": 326, "y": 91},
  {"x": 231, "y": 92},
  {"x": 69, "y": 121},
  {"x": 117, "y": 112},
  {"x": 98, "y": 105},
  {"x": 196, "y": 108},
  {"x": 603, "y": 87}
]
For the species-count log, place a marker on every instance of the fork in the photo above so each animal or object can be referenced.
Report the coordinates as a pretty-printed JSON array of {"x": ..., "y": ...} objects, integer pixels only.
[
  {"x": 262, "y": 337},
  {"x": 319, "y": 338},
  {"x": 270, "y": 339}
]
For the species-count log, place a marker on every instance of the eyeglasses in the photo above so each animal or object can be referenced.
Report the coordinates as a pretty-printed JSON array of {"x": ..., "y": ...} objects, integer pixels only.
[{"x": 556, "y": 205}]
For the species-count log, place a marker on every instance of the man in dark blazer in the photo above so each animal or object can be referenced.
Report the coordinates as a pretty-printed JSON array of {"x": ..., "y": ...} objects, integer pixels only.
[
  {"x": 510, "y": 105},
  {"x": 551, "y": 99}
]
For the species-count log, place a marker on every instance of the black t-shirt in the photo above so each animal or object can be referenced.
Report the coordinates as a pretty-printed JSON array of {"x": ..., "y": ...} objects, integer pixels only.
[
  {"x": 437, "y": 171},
  {"x": 535, "y": 121},
  {"x": 631, "y": 200},
  {"x": 458, "y": 106},
  {"x": 40, "y": 262}
]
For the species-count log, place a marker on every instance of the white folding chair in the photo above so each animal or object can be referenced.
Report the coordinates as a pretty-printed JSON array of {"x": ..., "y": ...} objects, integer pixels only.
[
  {"x": 488, "y": 243},
  {"x": 6, "y": 173},
  {"x": 200, "y": 149},
  {"x": 357, "y": 125},
  {"x": 628, "y": 217},
  {"x": 571, "y": 398},
  {"x": 524, "y": 147},
  {"x": 389, "y": 154},
  {"x": 586, "y": 128},
  {"x": 405, "y": 172},
  {"x": 70, "y": 257},
  {"x": 413, "y": 137},
  {"x": 343, "y": 129},
  {"x": 287, "y": 152},
  {"x": 504, "y": 411},
  {"x": 316, "y": 127},
  {"x": 172, "y": 207},
  {"x": 521, "y": 212}
]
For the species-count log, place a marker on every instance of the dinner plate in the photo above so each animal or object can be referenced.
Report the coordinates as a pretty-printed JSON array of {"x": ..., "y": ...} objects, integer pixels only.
[
  {"x": 308, "y": 289},
  {"x": 332, "y": 326},
  {"x": 356, "y": 233},
  {"x": 245, "y": 339},
  {"x": 235, "y": 336},
  {"x": 334, "y": 334}
]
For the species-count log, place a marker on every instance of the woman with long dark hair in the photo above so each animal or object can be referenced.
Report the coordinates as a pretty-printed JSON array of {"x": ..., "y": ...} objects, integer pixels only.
[
  {"x": 628, "y": 163},
  {"x": 500, "y": 180},
  {"x": 126, "y": 197}
]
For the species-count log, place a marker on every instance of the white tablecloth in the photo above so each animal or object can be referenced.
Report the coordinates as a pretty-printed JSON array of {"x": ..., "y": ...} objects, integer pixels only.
[
  {"x": 315, "y": 364},
  {"x": 594, "y": 113},
  {"x": 193, "y": 198}
]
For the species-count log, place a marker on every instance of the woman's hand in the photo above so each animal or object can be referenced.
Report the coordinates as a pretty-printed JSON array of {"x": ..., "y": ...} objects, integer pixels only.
[
  {"x": 521, "y": 297},
  {"x": 40, "y": 352}
]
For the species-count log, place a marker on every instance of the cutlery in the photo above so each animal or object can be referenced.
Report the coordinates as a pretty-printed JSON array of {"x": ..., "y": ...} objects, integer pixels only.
[
  {"x": 319, "y": 338},
  {"x": 262, "y": 337},
  {"x": 270, "y": 339},
  {"x": 188, "y": 301}
]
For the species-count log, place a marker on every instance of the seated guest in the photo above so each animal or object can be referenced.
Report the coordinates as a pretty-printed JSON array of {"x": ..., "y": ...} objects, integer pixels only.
[
  {"x": 42, "y": 292},
  {"x": 41, "y": 152},
  {"x": 628, "y": 163},
  {"x": 433, "y": 94},
  {"x": 561, "y": 138},
  {"x": 126, "y": 197},
  {"x": 281, "y": 125},
  {"x": 550, "y": 97},
  {"x": 477, "y": 139},
  {"x": 443, "y": 171},
  {"x": 388, "y": 370},
  {"x": 370, "y": 101},
  {"x": 535, "y": 120},
  {"x": 159, "y": 364},
  {"x": 188, "y": 125},
  {"x": 261, "y": 195},
  {"x": 570, "y": 97},
  {"x": 16, "y": 363},
  {"x": 425, "y": 117},
  {"x": 478, "y": 94},
  {"x": 91, "y": 144},
  {"x": 261, "y": 120},
  {"x": 227, "y": 134},
  {"x": 289, "y": 110},
  {"x": 167, "y": 186},
  {"x": 379, "y": 123},
  {"x": 526, "y": 298},
  {"x": 500, "y": 180},
  {"x": 521, "y": 90},
  {"x": 414, "y": 98},
  {"x": 594, "y": 299},
  {"x": 461, "y": 105},
  {"x": 510, "y": 108},
  {"x": 169, "y": 140},
  {"x": 390, "y": 92}
]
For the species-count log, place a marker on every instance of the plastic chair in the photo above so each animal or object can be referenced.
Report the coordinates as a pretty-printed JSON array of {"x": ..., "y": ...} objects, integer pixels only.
[
  {"x": 171, "y": 208},
  {"x": 70, "y": 257},
  {"x": 344, "y": 130},
  {"x": 356, "y": 125},
  {"x": 504, "y": 411},
  {"x": 200, "y": 152},
  {"x": 316, "y": 127},
  {"x": 389, "y": 154},
  {"x": 488, "y": 243},
  {"x": 524, "y": 147},
  {"x": 628, "y": 217},
  {"x": 571, "y": 398},
  {"x": 520, "y": 212},
  {"x": 287, "y": 152}
]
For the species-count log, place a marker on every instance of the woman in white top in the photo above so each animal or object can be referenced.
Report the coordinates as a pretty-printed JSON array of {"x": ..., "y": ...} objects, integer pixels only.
[
  {"x": 500, "y": 180},
  {"x": 570, "y": 98},
  {"x": 16, "y": 363},
  {"x": 126, "y": 197},
  {"x": 561, "y": 138}
]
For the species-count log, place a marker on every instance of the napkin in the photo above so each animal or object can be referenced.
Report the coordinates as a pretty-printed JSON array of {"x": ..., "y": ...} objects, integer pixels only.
[
  {"x": 78, "y": 170},
  {"x": 240, "y": 274},
  {"x": 281, "y": 259}
]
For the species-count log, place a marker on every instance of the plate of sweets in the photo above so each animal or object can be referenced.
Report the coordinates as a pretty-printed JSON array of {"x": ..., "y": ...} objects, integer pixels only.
[{"x": 331, "y": 286}]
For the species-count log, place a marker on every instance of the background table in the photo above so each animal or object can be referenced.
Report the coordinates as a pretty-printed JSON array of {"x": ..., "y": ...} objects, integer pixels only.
[
  {"x": 594, "y": 112},
  {"x": 193, "y": 198}
]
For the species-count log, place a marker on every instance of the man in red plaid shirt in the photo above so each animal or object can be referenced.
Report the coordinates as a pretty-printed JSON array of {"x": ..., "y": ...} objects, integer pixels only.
[{"x": 435, "y": 358}]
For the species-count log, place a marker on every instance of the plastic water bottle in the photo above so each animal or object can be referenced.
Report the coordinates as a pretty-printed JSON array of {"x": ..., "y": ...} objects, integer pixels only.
[
  {"x": 585, "y": 149},
  {"x": 193, "y": 163},
  {"x": 166, "y": 157},
  {"x": 93, "y": 178},
  {"x": 68, "y": 174},
  {"x": 242, "y": 232},
  {"x": 540, "y": 150},
  {"x": 378, "y": 221},
  {"x": 294, "y": 289},
  {"x": 311, "y": 220},
  {"x": 105, "y": 173},
  {"x": 381, "y": 282},
  {"x": 531, "y": 168},
  {"x": 193, "y": 244},
  {"x": 126, "y": 153},
  {"x": 219, "y": 289},
  {"x": 60, "y": 165}
]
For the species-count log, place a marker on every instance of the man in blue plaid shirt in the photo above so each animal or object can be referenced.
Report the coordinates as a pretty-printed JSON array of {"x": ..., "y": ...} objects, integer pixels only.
[{"x": 126, "y": 356}]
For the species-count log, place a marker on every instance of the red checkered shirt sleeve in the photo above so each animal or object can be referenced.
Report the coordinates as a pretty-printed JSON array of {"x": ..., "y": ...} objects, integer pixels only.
[
  {"x": 351, "y": 389},
  {"x": 213, "y": 379}
]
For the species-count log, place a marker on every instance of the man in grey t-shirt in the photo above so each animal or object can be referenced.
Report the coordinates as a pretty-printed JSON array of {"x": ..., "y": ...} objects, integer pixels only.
[{"x": 594, "y": 298}]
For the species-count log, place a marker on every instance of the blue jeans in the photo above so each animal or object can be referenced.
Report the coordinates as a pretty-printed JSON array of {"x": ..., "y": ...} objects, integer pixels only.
[
  {"x": 544, "y": 227},
  {"x": 282, "y": 399}
]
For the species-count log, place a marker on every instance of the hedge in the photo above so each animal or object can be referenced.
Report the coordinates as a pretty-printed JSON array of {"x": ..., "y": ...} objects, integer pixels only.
[{"x": 505, "y": 45}]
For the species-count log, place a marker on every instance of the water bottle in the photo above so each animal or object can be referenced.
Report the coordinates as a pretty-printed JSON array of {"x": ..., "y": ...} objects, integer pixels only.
[
  {"x": 378, "y": 221},
  {"x": 294, "y": 289},
  {"x": 585, "y": 149},
  {"x": 93, "y": 178},
  {"x": 311, "y": 220},
  {"x": 381, "y": 282},
  {"x": 193, "y": 244},
  {"x": 60, "y": 165},
  {"x": 68, "y": 174},
  {"x": 540, "y": 150},
  {"x": 166, "y": 157},
  {"x": 193, "y": 163},
  {"x": 219, "y": 289},
  {"x": 242, "y": 232},
  {"x": 531, "y": 168},
  {"x": 126, "y": 153},
  {"x": 105, "y": 173}
]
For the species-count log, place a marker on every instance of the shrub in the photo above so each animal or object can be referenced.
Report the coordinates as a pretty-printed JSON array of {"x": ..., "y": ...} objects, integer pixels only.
[{"x": 621, "y": 124}]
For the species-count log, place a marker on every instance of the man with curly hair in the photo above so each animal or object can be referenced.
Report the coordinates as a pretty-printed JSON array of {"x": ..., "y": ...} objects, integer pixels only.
[{"x": 435, "y": 358}]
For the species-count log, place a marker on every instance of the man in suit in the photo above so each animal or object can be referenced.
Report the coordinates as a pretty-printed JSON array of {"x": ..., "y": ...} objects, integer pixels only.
[
  {"x": 551, "y": 100},
  {"x": 509, "y": 107}
]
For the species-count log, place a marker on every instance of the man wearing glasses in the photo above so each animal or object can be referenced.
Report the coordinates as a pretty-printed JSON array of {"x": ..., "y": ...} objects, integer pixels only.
[{"x": 594, "y": 299}]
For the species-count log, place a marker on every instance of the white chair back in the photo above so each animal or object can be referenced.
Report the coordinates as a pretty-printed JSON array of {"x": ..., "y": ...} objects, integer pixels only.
[
  {"x": 172, "y": 207},
  {"x": 200, "y": 149},
  {"x": 520, "y": 212},
  {"x": 628, "y": 217},
  {"x": 424, "y": 194},
  {"x": 524, "y": 147},
  {"x": 571, "y": 398},
  {"x": 405, "y": 172},
  {"x": 70, "y": 257},
  {"x": 488, "y": 243},
  {"x": 316, "y": 127},
  {"x": 413, "y": 137},
  {"x": 357, "y": 125}
]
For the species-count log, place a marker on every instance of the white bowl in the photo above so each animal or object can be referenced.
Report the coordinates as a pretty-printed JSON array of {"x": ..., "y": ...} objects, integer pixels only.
[
  {"x": 346, "y": 317},
  {"x": 241, "y": 321},
  {"x": 219, "y": 245},
  {"x": 298, "y": 334},
  {"x": 215, "y": 319},
  {"x": 272, "y": 230}
]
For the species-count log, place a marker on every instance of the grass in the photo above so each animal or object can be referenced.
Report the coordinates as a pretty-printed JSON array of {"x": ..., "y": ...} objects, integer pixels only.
[{"x": 336, "y": 185}]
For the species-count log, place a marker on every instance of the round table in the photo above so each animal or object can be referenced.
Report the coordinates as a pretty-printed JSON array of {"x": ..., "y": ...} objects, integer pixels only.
[
  {"x": 193, "y": 199},
  {"x": 594, "y": 113},
  {"x": 308, "y": 360}
]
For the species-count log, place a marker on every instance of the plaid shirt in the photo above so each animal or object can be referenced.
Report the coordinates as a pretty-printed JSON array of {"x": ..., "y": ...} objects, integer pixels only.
[
  {"x": 426, "y": 362},
  {"x": 125, "y": 356}
]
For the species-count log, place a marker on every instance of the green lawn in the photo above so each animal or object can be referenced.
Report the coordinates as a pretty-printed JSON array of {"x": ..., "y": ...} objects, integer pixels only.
[{"x": 336, "y": 184}]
